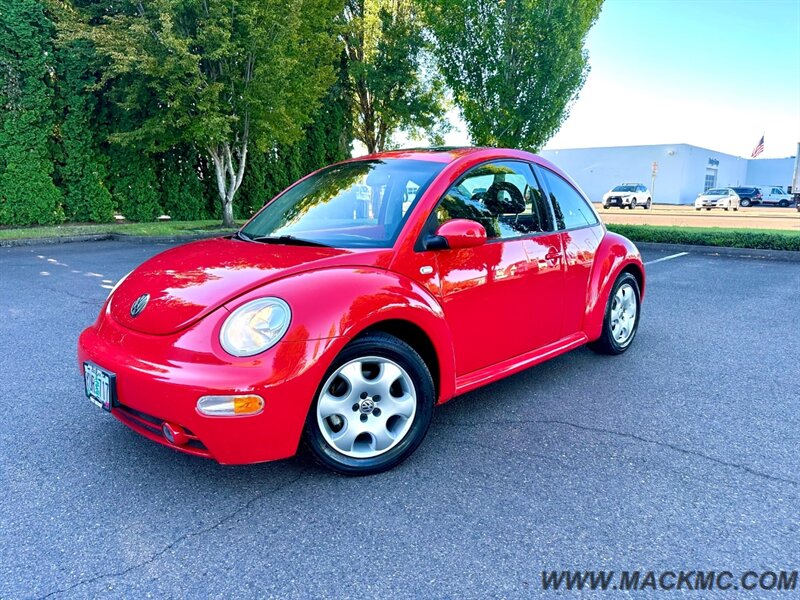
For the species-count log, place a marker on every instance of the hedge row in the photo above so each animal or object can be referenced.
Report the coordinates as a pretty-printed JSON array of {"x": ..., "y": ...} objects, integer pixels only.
[{"x": 708, "y": 236}]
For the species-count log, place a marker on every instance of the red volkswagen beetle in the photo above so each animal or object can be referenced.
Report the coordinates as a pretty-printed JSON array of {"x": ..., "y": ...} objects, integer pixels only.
[{"x": 357, "y": 300}]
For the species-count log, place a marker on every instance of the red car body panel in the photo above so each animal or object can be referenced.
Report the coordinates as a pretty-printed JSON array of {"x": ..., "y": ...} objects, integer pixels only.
[{"x": 170, "y": 355}]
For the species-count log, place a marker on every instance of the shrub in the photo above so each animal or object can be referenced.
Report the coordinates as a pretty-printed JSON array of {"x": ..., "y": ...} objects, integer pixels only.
[{"x": 703, "y": 236}]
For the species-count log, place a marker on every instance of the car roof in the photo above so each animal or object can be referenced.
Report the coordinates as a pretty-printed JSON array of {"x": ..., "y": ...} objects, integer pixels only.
[{"x": 444, "y": 154}]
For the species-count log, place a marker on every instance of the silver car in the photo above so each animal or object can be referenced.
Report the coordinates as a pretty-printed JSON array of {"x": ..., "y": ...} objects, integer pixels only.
[{"x": 717, "y": 198}]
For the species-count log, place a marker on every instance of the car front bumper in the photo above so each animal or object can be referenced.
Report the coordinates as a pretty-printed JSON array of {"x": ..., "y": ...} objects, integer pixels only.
[{"x": 160, "y": 379}]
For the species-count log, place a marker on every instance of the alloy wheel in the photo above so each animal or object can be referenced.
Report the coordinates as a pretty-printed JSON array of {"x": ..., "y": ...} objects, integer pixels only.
[
  {"x": 366, "y": 407},
  {"x": 623, "y": 314}
]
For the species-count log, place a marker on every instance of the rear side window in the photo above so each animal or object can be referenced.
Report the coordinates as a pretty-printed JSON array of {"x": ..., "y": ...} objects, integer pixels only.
[{"x": 570, "y": 208}]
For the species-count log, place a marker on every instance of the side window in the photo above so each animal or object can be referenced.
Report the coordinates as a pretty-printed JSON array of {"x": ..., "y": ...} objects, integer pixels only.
[
  {"x": 504, "y": 197},
  {"x": 569, "y": 206}
]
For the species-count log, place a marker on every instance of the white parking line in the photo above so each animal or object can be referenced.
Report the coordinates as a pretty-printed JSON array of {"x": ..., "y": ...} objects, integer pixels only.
[{"x": 663, "y": 258}]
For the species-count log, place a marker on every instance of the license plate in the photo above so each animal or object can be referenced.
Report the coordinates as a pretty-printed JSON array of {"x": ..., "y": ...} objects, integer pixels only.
[{"x": 100, "y": 385}]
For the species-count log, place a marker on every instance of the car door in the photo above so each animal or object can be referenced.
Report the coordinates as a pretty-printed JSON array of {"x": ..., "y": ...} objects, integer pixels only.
[
  {"x": 503, "y": 298},
  {"x": 581, "y": 233}
]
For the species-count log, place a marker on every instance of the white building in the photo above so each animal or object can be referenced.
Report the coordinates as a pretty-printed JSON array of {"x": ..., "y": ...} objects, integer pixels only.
[{"x": 683, "y": 171}]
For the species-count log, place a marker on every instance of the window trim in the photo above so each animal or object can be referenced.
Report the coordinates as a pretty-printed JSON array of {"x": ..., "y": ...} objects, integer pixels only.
[
  {"x": 580, "y": 195},
  {"x": 419, "y": 245}
]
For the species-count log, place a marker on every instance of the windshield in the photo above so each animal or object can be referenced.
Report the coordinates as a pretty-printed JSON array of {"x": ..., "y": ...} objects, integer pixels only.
[
  {"x": 624, "y": 188},
  {"x": 717, "y": 193},
  {"x": 357, "y": 204}
]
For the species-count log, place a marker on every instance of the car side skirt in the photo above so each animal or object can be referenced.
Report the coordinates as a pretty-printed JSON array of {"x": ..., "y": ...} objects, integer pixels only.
[{"x": 487, "y": 375}]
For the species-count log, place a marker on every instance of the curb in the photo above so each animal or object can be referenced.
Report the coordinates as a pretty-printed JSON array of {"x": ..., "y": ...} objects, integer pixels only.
[
  {"x": 67, "y": 239},
  {"x": 150, "y": 239},
  {"x": 756, "y": 253},
  {"x": 120, "y": 237}
]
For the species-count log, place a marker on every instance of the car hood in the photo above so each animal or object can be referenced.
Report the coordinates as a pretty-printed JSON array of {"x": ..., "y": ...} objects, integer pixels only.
[{"x": 186, "y": 283}]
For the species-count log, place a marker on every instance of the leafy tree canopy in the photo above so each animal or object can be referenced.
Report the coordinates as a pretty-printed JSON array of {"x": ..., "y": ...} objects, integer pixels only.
[
  {"x": 394, "y": 87},
  {"x": 514, "y": 66},
  {"x": 221, "y": 74}
]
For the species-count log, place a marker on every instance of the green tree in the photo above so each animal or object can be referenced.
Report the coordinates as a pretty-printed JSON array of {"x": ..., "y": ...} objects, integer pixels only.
[
  {"x": 393, "y": 87},
  {"x": 134, "y": 184},
  {"x": 27, "y": 192},
  {"x": 326, "y": 139},
  {"x": 514, "y": 66},
  {"x": 182, "y": 193},
  {"x": 81, "y": 170},
  {"x": 222, "y": 75}
]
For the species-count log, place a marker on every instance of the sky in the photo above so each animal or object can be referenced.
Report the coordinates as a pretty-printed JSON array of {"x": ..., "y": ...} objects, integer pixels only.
[{"x": 712, "y": 73}]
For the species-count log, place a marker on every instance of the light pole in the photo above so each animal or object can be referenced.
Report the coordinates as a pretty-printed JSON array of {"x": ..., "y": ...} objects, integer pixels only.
[{"x": 653, "y": 180}]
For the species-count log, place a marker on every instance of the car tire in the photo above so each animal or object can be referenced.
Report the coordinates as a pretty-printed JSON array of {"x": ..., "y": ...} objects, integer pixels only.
[
  {"x": 697, "y": 208},
  {"x": 648, "y": 204},
  {"x": 632, "y": 205},
  {"x": 783, "y": 203},
  {"x": 744, "y": 203},
  {"x": 708, "y": 209},
  {"x": 373, "y": 353},
  {"x": 611, "y": 340},
  {"x": 727, "y": 209},
  {"x": 605, "y": 206}
]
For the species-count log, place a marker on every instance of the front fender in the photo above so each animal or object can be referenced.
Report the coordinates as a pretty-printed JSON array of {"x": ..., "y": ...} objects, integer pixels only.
[
  {"x": 614, "y": 255},
  {"x": 338, "y": 303}
]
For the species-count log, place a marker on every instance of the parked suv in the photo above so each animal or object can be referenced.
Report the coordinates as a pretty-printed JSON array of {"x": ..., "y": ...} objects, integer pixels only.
[
  {"x": 748, "y": 196},
  {"x": 628, "y": 195}
]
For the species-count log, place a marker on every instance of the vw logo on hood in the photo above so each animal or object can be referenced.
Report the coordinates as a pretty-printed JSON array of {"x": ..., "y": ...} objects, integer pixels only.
[{"x": 138, "y": 305}]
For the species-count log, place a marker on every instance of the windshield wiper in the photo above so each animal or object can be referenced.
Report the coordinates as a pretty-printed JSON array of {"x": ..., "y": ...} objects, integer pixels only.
[
  {"x": 289, "y": 240},
  {"x": 242, "y": 236}
]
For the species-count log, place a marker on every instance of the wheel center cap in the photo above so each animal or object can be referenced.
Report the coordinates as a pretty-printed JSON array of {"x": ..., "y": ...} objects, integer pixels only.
[{"x": 367, "y": 406}]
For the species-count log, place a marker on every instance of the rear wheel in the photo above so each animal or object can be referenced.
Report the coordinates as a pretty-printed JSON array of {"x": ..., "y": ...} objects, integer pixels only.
[
  {"x": 373, "y": 408},
  {"x": 621, "y": 318},
  {"x": 632, "y": 205},
  {"x": 649, "y": 203},
  {"x": 783, "y": 203}
]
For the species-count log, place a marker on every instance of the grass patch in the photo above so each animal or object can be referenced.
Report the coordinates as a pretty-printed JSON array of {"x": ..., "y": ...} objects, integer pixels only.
[
  {"x": 762, "y": 239},
  {"x": 156, "y": 229}
]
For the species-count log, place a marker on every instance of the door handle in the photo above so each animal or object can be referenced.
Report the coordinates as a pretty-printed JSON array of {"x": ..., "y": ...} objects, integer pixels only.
[{"x": 552, "y": 255}]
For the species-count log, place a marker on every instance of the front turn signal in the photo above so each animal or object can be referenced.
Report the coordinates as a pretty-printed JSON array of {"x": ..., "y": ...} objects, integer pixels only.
[{"x": 230, "y": 406}]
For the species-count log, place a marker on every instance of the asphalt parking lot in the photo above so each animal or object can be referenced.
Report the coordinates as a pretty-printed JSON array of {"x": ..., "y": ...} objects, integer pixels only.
[{"x": 680, "y": 454}]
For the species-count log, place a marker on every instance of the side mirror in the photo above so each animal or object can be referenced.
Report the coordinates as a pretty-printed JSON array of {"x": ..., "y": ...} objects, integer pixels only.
[{"x": 456, "y": 234}]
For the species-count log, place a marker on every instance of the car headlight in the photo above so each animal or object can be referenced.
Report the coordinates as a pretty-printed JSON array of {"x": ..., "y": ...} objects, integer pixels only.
[{"x": 255, "y": 326}]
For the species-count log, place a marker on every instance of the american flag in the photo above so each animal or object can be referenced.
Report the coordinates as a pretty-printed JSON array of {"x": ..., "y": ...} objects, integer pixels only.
[{"x": 759, "y": 148}]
